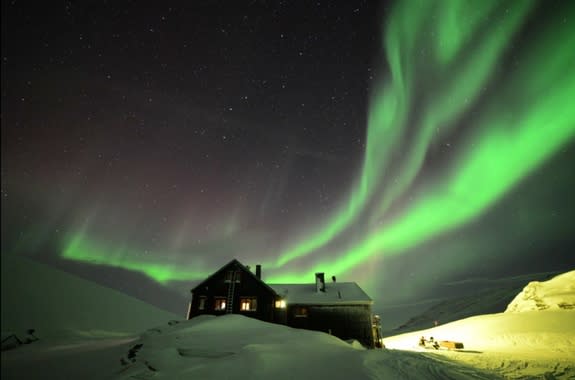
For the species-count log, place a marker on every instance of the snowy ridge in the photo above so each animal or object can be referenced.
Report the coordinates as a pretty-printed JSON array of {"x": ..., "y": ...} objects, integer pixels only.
[
  {"x": 534, "y": 338},
  {"x": 494, "y": 299},
  {"x": 557, "y": 293},
  {"x": 487, "y": 302}
]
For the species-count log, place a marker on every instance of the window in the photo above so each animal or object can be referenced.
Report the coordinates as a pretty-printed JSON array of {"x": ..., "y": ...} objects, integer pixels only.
[
  {"x": 220, "y": 304},
  {"x": 248, "y": 304},
  {"x": 202, "y": 304},
  {"x": 230, "y": 275},
  {"x": 300, "y": 311},
  {"x": 280, "y": 304}
]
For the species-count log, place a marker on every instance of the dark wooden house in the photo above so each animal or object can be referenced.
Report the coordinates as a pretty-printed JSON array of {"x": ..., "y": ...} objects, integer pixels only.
[
  {"x": 342, "y": 309},
  {"x": 234, "y": 289}
]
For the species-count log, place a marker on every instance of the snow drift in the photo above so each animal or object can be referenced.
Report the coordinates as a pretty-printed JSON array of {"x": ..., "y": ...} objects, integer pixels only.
[
  {"x": 238, "y": 347},
  {"x": 554, "y": 294}
]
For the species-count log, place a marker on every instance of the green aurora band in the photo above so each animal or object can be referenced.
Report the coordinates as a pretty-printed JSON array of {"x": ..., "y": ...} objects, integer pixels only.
[
  {"x": 507, "y": 143},
  {"x": 83, "y": 249},
  {"x": 444, "y": 60},
  {"x": 449, "y": 96}
]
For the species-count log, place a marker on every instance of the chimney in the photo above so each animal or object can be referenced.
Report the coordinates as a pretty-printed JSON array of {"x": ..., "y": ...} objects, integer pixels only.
[
  {"x": 259, "y": 271},
  {"x": 319, "y": 282}
]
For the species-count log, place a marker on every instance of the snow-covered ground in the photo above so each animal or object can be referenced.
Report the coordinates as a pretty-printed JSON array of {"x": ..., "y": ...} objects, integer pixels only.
[
  {"x": 513, "y": 344},
  {"x": 535, "y": 336},
  {"x": 237, "y": 347}
]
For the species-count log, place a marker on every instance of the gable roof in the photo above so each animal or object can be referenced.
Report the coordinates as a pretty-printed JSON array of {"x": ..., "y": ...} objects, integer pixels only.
[
  {"x": 347, "y": 293},
  {"x": 236, "y": 263}
]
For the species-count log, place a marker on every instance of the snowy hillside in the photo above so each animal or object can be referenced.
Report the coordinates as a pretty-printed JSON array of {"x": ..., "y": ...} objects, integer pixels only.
[
  {"x": 55, "y": 303},
  {"x": 486, "y": 302},
  {"x": 557, "y": 293},
  {"x": 539, "y": 341},
  {"x": 494, "y": 299}
]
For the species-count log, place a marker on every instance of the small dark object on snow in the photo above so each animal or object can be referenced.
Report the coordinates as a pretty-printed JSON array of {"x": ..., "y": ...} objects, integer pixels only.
[
  {"x": 31, "y": 337},
  {"x": 451, "y": 345},
  {"x": 149, "y": 366},
  {"x": 10, "y": 341},
  {"x": 133, "y": 350},
  {"x": 431, "y": 343},
  {"x": 173, "y": 322}
]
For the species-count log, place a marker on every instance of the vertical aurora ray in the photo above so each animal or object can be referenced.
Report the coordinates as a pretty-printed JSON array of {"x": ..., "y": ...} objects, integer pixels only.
[
  {"x": 517, "y": 129},
  {"x": 532, "y": 118},
  {"x": 386, "y": 121},
  {"x": 450, "y": 80},
  {"x": 458, "y": 76}
]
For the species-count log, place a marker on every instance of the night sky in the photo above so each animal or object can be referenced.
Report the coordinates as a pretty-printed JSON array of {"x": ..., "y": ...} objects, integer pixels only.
[{"x": 405, "y": 146}]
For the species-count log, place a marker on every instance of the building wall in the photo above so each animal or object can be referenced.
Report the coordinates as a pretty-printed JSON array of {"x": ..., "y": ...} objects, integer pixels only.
[
  {"x": 248, "y": 286},
  {"x": 343, "y": 321}
]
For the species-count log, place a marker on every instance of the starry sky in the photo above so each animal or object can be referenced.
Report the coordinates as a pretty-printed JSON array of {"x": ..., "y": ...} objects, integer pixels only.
[{"x": 403, "y": 145}]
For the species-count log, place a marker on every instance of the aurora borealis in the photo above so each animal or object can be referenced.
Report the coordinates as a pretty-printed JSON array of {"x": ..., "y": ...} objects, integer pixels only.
[
  {"x": 376, "y": 141},
  {"x": 502, "y": 150}
]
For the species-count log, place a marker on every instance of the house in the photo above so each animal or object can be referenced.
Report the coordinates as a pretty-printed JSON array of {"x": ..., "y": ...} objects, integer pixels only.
[
  {"x": 342, "y": 309},
  {"x": 234, "y": 289}
]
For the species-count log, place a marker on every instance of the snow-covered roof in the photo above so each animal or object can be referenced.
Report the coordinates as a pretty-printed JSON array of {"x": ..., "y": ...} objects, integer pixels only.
[{"x": 335, "y": 293}]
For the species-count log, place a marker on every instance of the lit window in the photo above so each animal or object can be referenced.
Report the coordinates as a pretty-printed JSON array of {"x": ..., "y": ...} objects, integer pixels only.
[
  {"x": 202, "y": 304},
  {"x": 248, "y": 304},
  {"x": 220, "y": 304},
  {"x": 280, "y": 304}
]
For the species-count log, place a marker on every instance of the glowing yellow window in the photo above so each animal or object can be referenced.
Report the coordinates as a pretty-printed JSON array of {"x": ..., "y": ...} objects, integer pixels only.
[
  {"x": 280, "y": 304},
  {"x": 248, "y": 304},
  {"x": 220, "y": 304}
]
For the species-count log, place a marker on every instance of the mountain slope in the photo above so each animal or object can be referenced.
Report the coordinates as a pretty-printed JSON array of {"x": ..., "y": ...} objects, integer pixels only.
[
  {"x": 54, "y": 302},
  {"x": 494, "y": 299}
]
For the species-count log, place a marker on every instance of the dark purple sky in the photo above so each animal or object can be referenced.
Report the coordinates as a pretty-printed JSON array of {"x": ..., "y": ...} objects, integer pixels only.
[{"x": 193, "y": 132}]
